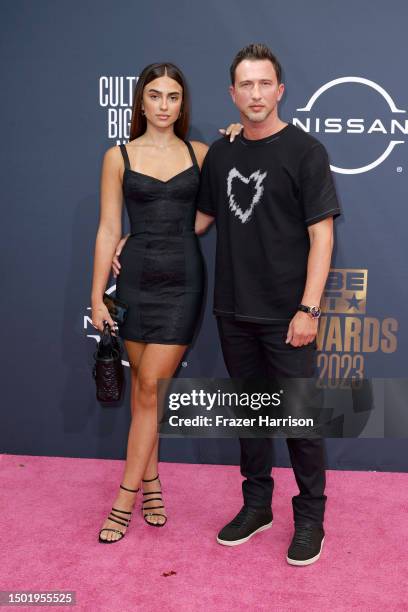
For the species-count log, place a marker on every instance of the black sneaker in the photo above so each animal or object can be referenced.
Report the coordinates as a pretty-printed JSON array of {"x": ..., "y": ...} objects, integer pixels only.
[
  {"x": 247, "y": 522},
  {"x": 306, "y": 545}
]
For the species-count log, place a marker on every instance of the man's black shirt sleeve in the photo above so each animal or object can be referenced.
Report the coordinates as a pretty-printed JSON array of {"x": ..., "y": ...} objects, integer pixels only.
[
  {"x": 206, "y": 200},
  {"x": 318, "y": 193}
]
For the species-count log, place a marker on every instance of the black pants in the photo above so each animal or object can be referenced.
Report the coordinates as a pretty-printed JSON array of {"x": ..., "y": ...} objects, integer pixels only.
[{"x": 259, "y": 350}]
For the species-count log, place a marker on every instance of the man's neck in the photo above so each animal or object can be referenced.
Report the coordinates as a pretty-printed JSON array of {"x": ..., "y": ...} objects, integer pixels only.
[{"x": 256, "y": 131}]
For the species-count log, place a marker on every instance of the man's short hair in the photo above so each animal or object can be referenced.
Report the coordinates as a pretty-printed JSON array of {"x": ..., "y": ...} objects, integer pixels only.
[{"x": 256, "y": 51}]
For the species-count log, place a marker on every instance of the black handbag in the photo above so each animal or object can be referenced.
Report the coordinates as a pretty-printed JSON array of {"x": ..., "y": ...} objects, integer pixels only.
[
  {"x": 108, "y": 370},
  {"x": 117, "y": 309}
]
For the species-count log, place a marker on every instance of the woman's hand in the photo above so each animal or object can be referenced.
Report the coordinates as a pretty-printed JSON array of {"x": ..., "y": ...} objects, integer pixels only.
[
  {"x": 232, "y": 130},
  {"x": 118, "y": 250},
  {"x": 100, "y": 314}
]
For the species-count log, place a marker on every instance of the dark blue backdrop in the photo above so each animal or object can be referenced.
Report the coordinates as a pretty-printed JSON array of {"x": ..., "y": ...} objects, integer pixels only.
[{"x": 68, "y": 72}]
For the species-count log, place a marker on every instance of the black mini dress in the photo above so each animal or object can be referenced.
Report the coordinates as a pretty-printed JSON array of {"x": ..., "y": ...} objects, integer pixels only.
[{"x": 162, "y": 269}]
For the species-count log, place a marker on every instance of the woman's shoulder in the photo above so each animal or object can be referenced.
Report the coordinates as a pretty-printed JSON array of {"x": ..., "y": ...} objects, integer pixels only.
[
  {"x": 112, "y": 155},
  {"x": 115, "y": 158},
  {"x": 200, "y": 150}
]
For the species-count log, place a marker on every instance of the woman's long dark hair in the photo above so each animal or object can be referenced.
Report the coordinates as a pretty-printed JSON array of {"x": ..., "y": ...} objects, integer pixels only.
[{"x": 138, "y": 122}]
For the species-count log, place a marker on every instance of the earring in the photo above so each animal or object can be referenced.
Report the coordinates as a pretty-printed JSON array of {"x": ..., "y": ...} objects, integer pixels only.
[{"x": 142, "y": 111}]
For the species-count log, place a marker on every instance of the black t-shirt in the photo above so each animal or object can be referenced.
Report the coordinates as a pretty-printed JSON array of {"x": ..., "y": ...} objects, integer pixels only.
[{"x": 264, "y": 194}]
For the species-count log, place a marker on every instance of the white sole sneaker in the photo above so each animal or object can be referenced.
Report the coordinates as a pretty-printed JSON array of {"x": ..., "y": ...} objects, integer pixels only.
[
  {"x": 306, "y": 561},
  {"x": 242, "y": 540}
]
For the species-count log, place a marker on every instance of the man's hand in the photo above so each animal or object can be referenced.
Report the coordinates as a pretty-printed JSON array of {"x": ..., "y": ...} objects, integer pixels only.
[
  {"x": 115, "y": 260},
  {"x": 232, "y": 130},
  {"x": 302, "y": 329}
]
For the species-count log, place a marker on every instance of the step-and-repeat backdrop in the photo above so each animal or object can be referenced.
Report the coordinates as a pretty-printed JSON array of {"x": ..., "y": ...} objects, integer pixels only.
[{"x": 68, "y": 75}]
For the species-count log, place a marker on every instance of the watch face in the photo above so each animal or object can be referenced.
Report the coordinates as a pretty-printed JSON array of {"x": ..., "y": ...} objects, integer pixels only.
[{"x": 315, "y": 312}]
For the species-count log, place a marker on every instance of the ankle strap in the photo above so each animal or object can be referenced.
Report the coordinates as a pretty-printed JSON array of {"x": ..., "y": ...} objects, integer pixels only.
[
  {"x": 150, "y": 479},
  {"x": 132, "y": 490}
]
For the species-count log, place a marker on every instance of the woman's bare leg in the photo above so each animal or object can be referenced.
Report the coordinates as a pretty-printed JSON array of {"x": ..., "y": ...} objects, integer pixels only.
[
  {"x": 126, "y": 500},
  {"x": 156, "y": 361},
  {"x": 152, "y": 465}
]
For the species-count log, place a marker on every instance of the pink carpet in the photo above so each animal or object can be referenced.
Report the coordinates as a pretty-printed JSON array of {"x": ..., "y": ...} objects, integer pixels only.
[{"x": 52, "y": 509}]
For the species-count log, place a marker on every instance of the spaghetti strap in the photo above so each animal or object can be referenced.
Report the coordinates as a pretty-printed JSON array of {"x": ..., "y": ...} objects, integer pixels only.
[
  {"x": 192, "y": 154},
  {"x": 125, "y": 155}
]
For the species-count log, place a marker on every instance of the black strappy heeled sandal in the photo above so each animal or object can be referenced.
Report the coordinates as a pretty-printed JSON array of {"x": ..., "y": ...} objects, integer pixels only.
[
  {"x": 124, "y": 520},
  {"x": 145, "y": 515}
]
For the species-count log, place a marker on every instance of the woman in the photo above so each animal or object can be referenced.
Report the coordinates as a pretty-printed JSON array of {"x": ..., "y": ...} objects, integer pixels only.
[{"x": 162, "y": 272}]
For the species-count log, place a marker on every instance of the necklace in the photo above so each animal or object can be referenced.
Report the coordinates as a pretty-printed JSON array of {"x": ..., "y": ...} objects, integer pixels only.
[{"x": 158, "y": 146}]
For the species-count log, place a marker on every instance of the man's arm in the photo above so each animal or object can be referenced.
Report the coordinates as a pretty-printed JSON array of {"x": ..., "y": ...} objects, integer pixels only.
[
  {"x": 320, "y": 207},
  {"x": 302, "y": 328}
]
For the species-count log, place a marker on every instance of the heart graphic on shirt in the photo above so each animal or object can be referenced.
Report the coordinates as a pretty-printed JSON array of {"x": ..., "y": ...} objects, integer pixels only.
[{"x": 257, "y": 178}]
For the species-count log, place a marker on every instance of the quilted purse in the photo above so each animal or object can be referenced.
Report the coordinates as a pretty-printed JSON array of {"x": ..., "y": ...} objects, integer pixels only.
[{"x": 108, "y": 370}]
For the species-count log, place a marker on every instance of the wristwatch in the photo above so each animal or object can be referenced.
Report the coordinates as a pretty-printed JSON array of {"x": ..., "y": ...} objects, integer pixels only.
[{"x": 314, "y": 311}]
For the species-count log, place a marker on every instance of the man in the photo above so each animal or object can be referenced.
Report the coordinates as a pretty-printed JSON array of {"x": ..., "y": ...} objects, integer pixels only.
[{"x": 272, "y": 196}]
